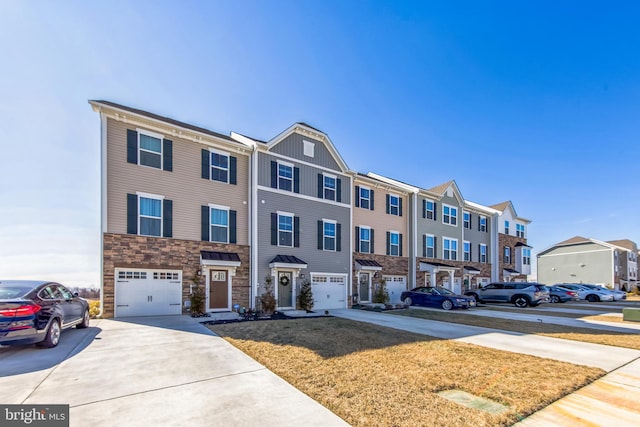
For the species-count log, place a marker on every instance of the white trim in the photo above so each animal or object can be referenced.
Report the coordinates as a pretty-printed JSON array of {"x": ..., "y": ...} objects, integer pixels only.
[
  {"x": 302, "y": 196},
  {"x": 390, "y": 181},
  {"x": 451, "y": 207},
  {"x": 413, "y": 227},
  {"x": 140, "y": 149},
  {"x": 285, "y": 163},
  {"x": 301, "y": 162},
  {"x": 230, "y": 273},
  {"x": 293, "y": 226},
  {"x": 104, "y": 200},
  {"x": 149, "y": 195},
  {"x": 219, "y": 207},
  {"x": 149, "y": 133},
  {"x": 325, "y": 236},
  {"x": 391, "y": 232},
  {"x": 329, "y": 220},
  {"x": 214, "y": 263},
  {"x": 329, "y": 175},
  {"x": 371, "y": 249},
  {"x": 463, "y": 242},
  {"x": 451, "y": 239},
  {"x": 140, "y": 216},
  {"x": 325, "y": 188},
  {"x": 287, "y": 266},
  {"x": 426, "y": 247},
  {"x": 253, "y": 229},
  {"x": 228, "y": 227},
  {"x": 575, "y": 253},
  {"x": 360, "y": 267},
  {"x": 285, "y": 213},
  {"x": 397, "y": 206}
]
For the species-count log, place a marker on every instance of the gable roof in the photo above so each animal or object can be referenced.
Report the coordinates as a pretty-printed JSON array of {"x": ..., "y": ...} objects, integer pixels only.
[
  {"x": 573, "y": 240},
  {"x": 501, "y": 206},
  {"x": 578, "y": 240},
  {"x": 440, "y": 190},
  {"x": 624, "y": 243},
  {"x": 389, "y": 181},
  {"x": 509, "y": 204}
]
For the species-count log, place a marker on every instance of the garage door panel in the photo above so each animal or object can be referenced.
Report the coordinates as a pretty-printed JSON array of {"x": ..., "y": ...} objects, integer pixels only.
[
  {"x": 148, "y": 292},
  {"x": 329, "y": 292},
  {"x": 395, "y": 286}
]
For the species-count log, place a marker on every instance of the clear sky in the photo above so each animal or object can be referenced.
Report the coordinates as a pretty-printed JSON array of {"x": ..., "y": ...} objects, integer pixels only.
[{"x": 537, "y": 102}]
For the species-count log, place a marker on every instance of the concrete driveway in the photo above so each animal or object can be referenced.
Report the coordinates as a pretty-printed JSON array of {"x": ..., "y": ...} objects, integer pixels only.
[{"x": 165, "y": 371}]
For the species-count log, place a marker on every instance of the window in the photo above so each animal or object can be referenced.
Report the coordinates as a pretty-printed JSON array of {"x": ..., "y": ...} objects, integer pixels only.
[
  {"x": 394, "y": 244},
  {"x": 526, "y": 256},
  {"x": 507, "y": 255},
  {"x": 449, "y": 215},
  {"x": 430, "y": 246},
  {"x": 285, "y": 230},
  {"x": 467, "y": 251},
  {"x": 285, "y": 177},
  {"x": 329, "y": 235},
  {"x": 393, "y": 203},
  {"x": 365, "y": 198},
  {"x": 482, "y": 223},
  {"x": 329, "y": 187},
  {"x": 449, "y": 249},
  {"x": 466, "y": 220},
  {"x": 150, "y": 150},
  {"x": 429, "y": 209},
  {"x": 219, "y": 166},
  {"x": 219, "y": 225},
  {"x": 506, "y": 227},
  {"x": 150, "y": 217},
  {"x": 520, "y": 230},
  {"x": 483, "y": 252},
  {"x": 365, "y": 240}
]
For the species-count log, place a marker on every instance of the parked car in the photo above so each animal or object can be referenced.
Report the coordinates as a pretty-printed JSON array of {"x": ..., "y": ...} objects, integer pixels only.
[
  {"x": 37, "y": 311},
  {"x": 521, "y": 294},
  {"x": 436, "y": 297},
  {"x": 558, "y": 294},
  {"x": 585, "y": 293},
  {"x": 617, "y": 295}
]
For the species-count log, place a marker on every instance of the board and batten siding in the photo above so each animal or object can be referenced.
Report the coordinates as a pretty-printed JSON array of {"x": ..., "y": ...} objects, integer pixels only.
[
  {"x": 309, "y": 213},
  {"x": 292, "y": 146},
  {"x": 184, "y": 185}
]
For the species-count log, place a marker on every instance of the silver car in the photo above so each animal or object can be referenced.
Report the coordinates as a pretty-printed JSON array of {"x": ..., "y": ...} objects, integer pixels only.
[
  {"x": 617, "y": 295},
  {"x": 588, "y": 294}
]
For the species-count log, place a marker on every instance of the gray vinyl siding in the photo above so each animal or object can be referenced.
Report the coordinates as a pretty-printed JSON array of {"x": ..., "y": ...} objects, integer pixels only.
[
  {"x": 308, "y": 177},
  {"x": 309, "y": 213},
  {"x": 293, "y": 147},
  {"x": 475, "y": 237},
  {"x": 559, "y": 265},
  {"x": 438, "y": 228}
]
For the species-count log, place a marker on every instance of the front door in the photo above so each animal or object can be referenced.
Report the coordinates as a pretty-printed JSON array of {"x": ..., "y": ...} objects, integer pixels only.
[
  {"x": 218, "y": 290},
  {"x": 365, "y": 287},
  {"x": 285, "y": 289}
]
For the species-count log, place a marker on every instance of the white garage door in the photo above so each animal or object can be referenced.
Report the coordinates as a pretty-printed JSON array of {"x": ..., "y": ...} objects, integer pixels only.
[
  {"x": 396, "y": 285},
  {"x": 329, "y": 292},
  {"x": 148, "y": 292}
]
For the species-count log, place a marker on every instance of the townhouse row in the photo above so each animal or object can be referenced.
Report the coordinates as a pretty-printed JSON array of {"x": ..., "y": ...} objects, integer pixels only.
[{"x": 181, "y": 202}]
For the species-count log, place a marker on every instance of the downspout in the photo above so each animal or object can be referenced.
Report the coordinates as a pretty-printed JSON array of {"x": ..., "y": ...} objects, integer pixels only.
[
  {"x": 253, "y": 229},
  {"x": 413, "y": 226},
  {"x": 103, "y": 202},
  {"x": 495, "y": 257}
]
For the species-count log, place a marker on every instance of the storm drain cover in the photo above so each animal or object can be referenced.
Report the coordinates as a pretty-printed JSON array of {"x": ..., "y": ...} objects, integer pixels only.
[{"x": 470, "y": 401}]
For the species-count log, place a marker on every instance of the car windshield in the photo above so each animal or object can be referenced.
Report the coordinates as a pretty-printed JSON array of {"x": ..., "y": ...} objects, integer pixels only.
[
  {"x": 9, "y": 292},
  {"x": 443, "y": 291}
]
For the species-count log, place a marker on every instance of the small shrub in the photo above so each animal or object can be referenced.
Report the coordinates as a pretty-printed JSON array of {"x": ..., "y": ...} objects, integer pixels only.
[
  {"x": 197, "y": 296},
  {"x": 381, "y": 294},
  {"x": 305, "y": 298},
  {"x": 94, "y": 308},
  {"x": 267, "y": 299}
]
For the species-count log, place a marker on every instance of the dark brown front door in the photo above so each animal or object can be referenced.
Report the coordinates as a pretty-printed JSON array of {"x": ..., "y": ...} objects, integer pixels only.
[{"x": 218, "y": 290}]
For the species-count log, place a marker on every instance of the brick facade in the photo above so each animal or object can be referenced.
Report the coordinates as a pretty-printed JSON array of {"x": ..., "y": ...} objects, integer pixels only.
[
  {"x": 391, "y": 265},
  {"x": 511, "y": 241},
  {"x": 485, "y": 271},
  {"x": 132, "y": 251}
]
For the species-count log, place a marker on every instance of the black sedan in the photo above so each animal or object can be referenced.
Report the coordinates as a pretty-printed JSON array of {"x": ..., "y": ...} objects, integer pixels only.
[
  {"x": 436, "y": 297},
  {"x": 37, "y": 311}
]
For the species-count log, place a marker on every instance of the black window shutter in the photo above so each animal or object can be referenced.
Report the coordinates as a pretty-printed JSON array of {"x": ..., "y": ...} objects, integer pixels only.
[
  {"x": 274, "y": 174},
  {"x": 205, "y": 162},
  {"x": 338, "y": 190},
  {"x": 470, "y": 252},
  {"x": 479, "y": 221},
  {"x": 296, "y": 180},
  {"x": 357, "y": 196},
  {"x": 388, "y": 203},
  {"x": 205, "y": 225},
  {"x": 320, "y": 234},
  {"x": 296, "y": 231},
  {"x": 424, "y": 208},
  {"x": 132, "y": 214},
  {"x": 338, "y": 237},
  {"x": 371, "y": 245},
  {"x": 435, "y": 211},
  {"x": 167, "y": 218},
  {"x": 400, "y": 245},
  {"x": 274, "y": 229},
  {"x": 232, "y": 227},
  {"x": 233, "y": 170},
  {"x": 435, "y": 247},
  {"x": 167, "y": 155},
  {"x": 400, "y": 205},
  {"x": 479, "y": 253},
  {"x": 424, "y": 245},
  {"x": 470, "y": 221},
  {"x": 320, "y": 186},
  {"x": 371, "y": 200},
  {"x": 357, "y": 239},
  {"x": 388, "y": 243},
  {"x": 132, "y": 146}
]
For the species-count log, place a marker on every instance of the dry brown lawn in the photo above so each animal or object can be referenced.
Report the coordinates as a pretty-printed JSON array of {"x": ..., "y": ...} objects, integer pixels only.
[
  {"x": 617, "y": 339},
  {"x": 371, "y": 375}
]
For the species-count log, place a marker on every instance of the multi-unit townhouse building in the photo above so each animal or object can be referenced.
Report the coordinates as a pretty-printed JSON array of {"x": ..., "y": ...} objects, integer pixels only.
[
  {"x": 183, "y": 205},
  {"x": 514, "y": 251},
  {"x": 585, "y": 260}
]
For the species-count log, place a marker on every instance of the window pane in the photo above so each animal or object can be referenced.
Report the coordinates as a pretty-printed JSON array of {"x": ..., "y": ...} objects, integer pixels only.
[
  {"x": 286, "y": 238},
  {"x": 329, "y": 182},
  {"x": 150, "y": 159},
  {"x": 219, "y": 160},
  {"x": 150, "y": 207},
  {"x": 285, "y": 171},
  {"x": 329, "y": 243},
  {"x": 365, "y": 247},
  {"x": 219, "y": 174},
  {"x": 150, "y": 143},
  {"x": 150, "y": 226},
  {"x": 285, "y": 223},
  {"x": 395, "y": 238},
  {"x": 329, "y": 229},
  {"x": 219, "y": 217},
  {"x": 365, "y": 233},
  {"x": 218, "y": 234}
]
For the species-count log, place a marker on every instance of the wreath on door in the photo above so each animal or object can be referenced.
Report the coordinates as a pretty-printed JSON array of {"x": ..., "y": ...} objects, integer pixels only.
[{"x": 284, "y": 281}]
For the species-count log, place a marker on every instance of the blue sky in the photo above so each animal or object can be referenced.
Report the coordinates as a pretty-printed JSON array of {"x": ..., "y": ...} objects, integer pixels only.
[{"x": 536, "y": 102}]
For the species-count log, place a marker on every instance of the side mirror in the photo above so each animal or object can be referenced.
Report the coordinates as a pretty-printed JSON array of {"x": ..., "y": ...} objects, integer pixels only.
[{"x": 75, "y": 294}]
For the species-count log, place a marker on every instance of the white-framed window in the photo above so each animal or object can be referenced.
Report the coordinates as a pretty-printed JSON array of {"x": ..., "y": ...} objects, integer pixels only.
[
  {"x": 394, "y": 243},
  {"x": 149, "y": 149},
  {"x": 219, "y": 166},
  {"x": 285, "y": 229},
  {"x": 482, "y": 223},
  {"x": 150, "y": 215},
  {"x": 430, "y": 209},
  {"x": 394, "y": 204},
  {"x": 365, "y": 198},
  {"x": 483, "y": 253},
  {"x": 449, "y": 249},
  {"x": 506, "y": 227},
  {"x": 449, "y": 215},
  {"x": 219, "y": 223},
  {"x": 329, "y": 187},
  {"x": 365, "y": 240},
  {"x": 526, "y": 256},
  {"x": 430, "y": 246},
  {"x": 329, "y": 235},
  {"x": 507, "y": 255},
  {"x": 520, "y": 230},
  {"x": 466, "y": 250},
  {"x": 466, "y": 219},
  {"x": 285, "y": 176}
]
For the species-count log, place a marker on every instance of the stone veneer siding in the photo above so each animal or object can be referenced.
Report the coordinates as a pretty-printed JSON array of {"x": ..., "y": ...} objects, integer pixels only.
[
  {"x": 508, "y": 240},
  {"x": 391, "y": 265},
  {"x": 132, "y": 251}
]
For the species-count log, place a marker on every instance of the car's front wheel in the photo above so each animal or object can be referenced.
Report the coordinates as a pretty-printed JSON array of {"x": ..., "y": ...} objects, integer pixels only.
[
  {"x": 475, "y": 297},
  {"x": 85, "y": 320},
  {"x": 554, "y": 299},
  {"x": 53, "y": 335},
  {"x": 447, "y": 304},
  {"x": 408, "y": 301},
  {"x": 521, "y": 301},
  {"x": 593, "y": 298}
]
